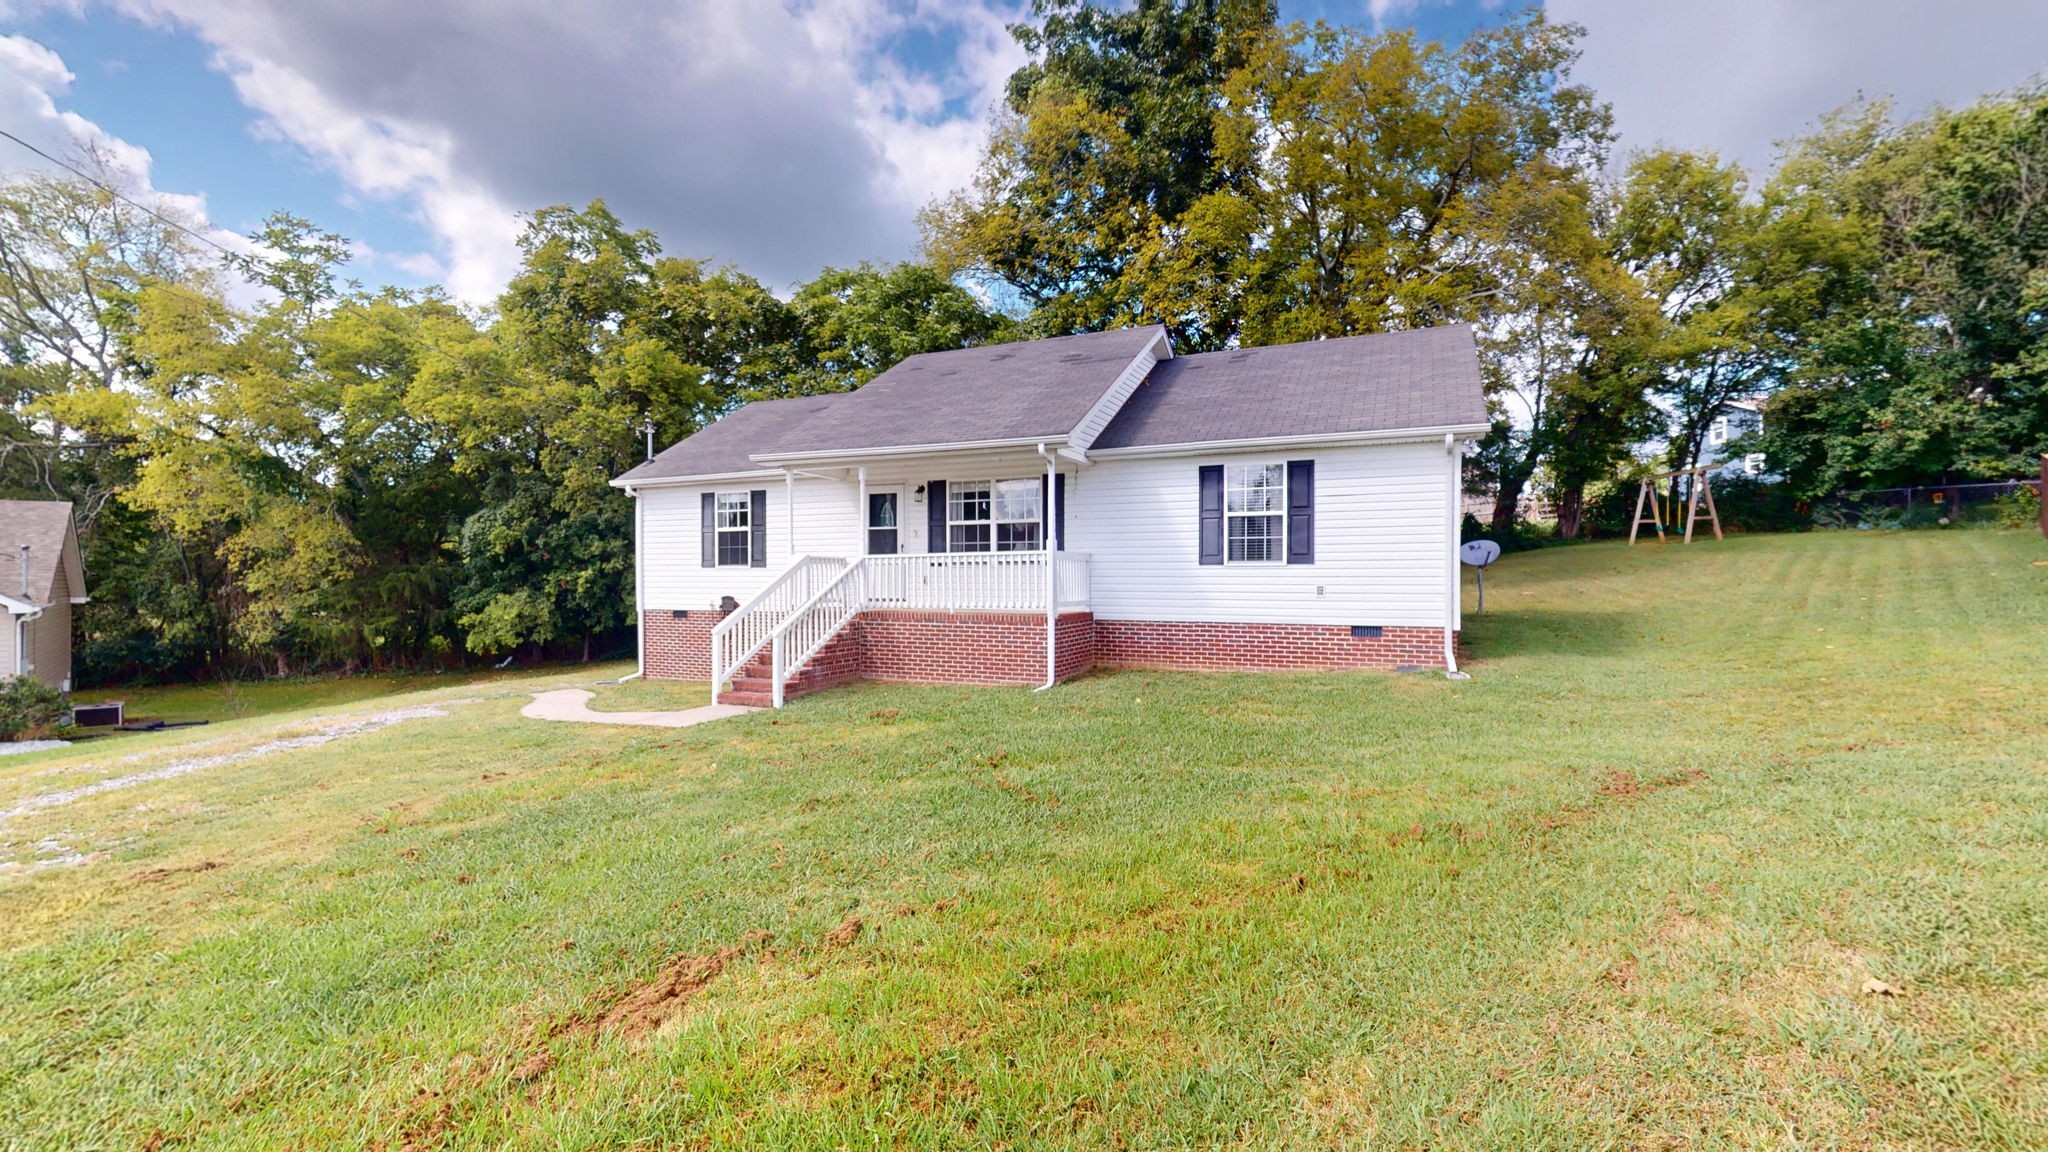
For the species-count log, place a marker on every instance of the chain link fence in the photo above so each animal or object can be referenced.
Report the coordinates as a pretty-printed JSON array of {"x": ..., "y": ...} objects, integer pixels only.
[{"x": 1933, "y": 506}]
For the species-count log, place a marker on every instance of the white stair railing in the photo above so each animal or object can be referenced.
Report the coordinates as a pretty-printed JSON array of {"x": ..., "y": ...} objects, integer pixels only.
[
  {"x": 961, "y": 582},
  {"x": 807, "y": 630},
  {"x": 741, "y": 634}
]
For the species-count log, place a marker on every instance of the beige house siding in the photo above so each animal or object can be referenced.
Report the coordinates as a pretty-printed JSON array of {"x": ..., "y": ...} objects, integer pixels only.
[{"x": 49, "y": 636}]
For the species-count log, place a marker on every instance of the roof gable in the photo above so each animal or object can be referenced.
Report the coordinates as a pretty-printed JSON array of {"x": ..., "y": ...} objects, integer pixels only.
[
  {"x": 46, "y": 527},
  {"x": 1427, "y": 378}
]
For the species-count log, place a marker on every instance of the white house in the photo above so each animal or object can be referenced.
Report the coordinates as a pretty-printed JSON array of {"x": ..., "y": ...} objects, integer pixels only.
[{"x": 1018, "y": 513}]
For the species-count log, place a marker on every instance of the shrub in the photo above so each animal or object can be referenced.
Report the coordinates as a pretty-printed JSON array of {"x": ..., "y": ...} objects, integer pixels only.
[
  {"x": 2019, "y": 508},
  {"x": 29, "y": 708}
]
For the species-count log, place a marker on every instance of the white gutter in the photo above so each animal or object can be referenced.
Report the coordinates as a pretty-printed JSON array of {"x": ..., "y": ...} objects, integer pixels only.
[
  {"x": 1451, "y": 598},
  {"x": 1317, "y": 439},
  {"x": 679, "y": 481},
  {"x": 1052, "y": 580},
  {"x": 781, "y": 459}
]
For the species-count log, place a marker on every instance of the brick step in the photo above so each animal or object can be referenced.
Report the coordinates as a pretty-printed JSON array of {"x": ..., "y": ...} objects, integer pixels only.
[
  {"x": 748, "y": 699},
  {"x": 757, "y": 685},
  {"x": 757, "y": 671}
]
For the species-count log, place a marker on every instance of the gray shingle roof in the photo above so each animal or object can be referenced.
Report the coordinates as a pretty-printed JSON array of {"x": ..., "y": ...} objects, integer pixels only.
[
  {"x": 43, "y": 525},
  {"x": 1040, "y": 389},
  {"x": 1034, "y": 389},
  {"x": 725, "y": 445},
  {"x": 1426, "y": 378}
]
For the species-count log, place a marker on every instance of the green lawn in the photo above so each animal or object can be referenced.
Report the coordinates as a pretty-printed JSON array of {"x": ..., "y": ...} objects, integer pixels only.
[
  {"x": 235, "y": 699},
  {"x": 1735, "y": 845}
]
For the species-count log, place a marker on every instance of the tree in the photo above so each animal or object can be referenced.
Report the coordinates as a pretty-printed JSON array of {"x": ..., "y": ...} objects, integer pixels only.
[
  {"x": 1107, "y": 133},
  {"x": 1923, "y": 363},
  {"x": 1370, "y": 158},
  {"x": 856, "y": 322}
]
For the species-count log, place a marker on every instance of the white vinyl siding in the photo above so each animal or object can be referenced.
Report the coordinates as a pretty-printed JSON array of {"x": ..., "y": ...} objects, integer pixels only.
[
  {"x": 827, "y": 523},
  {"x": 1383, "y": 537}
]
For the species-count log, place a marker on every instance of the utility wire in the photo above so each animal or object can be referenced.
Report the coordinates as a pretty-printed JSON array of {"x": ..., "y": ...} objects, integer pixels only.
[{"x": 210, "y": 242}]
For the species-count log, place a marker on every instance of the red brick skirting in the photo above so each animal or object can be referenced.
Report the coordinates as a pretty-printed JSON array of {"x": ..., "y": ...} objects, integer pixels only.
[
  {"x": 1009, "y": 648},
  {"x": 1240, "y": 647},
  {"x": 678, "y": 648}
]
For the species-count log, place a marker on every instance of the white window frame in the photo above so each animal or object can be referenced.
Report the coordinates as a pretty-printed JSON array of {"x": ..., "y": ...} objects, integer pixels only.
[
  {"x": 1275, "y": 511},
  {"x": 1717, "y": 433},
  {"x": 996, "y": 521},
  {"x": 735, "y": 521}
]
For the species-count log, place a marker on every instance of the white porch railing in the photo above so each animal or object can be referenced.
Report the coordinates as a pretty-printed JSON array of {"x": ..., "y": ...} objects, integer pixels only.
[
  {"x": 741, "y": 634},
  {"x": 794, "y": 630},
  {"x": 959, "y": 581}
]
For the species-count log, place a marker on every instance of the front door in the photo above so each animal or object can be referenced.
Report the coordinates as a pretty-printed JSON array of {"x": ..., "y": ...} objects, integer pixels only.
[{"x": 885, "y": 521}]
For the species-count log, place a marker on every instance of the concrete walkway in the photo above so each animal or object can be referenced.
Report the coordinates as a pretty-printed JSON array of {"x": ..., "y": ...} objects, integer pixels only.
[{"x": 574, "y": 704}]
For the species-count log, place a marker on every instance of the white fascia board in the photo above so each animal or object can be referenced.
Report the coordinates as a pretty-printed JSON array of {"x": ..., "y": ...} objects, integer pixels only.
[
  {"x": 1105, "y": 408},
  {"x": 19, "y": 607},
  {"x": 685, "y": 481},
  {"x": 903, "y": 452},
  {"x": 1255, "y": 443}
]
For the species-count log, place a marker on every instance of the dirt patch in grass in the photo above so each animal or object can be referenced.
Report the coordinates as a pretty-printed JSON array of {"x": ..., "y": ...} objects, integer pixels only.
[
  {"x": 153, "y": 875},
  {"x": 647, "y": 1006}
]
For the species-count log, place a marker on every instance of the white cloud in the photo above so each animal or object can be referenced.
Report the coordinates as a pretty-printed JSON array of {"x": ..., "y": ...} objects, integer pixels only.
[
  {"x": 33, "y": 80},
  {"x": 1741, "y": 75},
  {"x": 778, "y": 136}
]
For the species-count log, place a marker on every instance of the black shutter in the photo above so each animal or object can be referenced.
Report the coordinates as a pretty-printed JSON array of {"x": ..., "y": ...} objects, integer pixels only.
[
  {"x": 711, "y": 530},
  {"x": 758, "y": 522},
  {"x": 1301, "y": 511},
  {"x": 1211, "y": 484},
  {"x": 935, "y": 523},
  {"x": 1059, "y": 508}
]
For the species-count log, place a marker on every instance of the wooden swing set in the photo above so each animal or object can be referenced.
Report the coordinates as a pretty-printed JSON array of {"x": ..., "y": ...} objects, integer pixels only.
[{"x": 1650, "y": 498}]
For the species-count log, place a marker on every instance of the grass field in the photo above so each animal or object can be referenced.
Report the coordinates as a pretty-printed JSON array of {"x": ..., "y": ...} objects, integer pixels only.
[
  {"x": 235, "y": 699},
  {"x": 1737, "y": 845}
]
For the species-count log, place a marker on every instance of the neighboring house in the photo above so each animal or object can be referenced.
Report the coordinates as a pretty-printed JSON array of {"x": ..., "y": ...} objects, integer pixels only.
[
  {"x": 1738, "y": 418},
  {"x": 40, "y": 579},
  {"x": 1018, "y": 513}
]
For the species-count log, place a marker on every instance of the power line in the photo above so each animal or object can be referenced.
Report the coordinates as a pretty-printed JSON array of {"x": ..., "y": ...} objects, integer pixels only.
[{"x": 210, "y": 242}]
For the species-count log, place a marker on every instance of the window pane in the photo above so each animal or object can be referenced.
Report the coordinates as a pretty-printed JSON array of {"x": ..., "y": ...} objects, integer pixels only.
[
  {"x": 1255, "y": 487},
  {"x": 967, "y": 538},
  {"x": 1017, "y": 499},
  {"x": 967, "y": 500},
  {"x": 1017, "y": 537},
  {"x": 732, "y": 548},
  {"x": 734, "y": 509},
  {"x": 1256, "y": 539}
]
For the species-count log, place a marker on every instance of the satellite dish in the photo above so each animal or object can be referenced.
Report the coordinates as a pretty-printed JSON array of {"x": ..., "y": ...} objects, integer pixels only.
[{"x": 1479, "y": 553}]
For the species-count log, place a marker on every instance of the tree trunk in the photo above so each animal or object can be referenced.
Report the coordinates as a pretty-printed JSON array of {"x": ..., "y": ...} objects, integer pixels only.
[
  {"x": 1504, "y": 508},
  {"x": 586, "y": 647},
  {"x": 1571, "y": 508}
]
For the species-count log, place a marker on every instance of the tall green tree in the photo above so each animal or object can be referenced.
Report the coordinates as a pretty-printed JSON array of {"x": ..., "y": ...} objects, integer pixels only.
[
  {"x": 1108, "y": 133},
  {"x": 853, "y": 323}
]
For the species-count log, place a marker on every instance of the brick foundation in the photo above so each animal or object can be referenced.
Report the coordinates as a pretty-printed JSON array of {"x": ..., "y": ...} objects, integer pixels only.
[
  {"x": 678, "y": 648},
  {"x": 998, "y": 648},
  {"x": 1238, "y": 647}
]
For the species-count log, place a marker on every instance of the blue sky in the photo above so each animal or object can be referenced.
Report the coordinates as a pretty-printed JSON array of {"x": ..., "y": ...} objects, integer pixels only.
[{"x": 779, "y": 137}]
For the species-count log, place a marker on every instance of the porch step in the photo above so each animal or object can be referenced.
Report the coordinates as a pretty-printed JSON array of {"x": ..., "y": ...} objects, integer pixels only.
[
  {"x": 757, "y": 683},
  {"x": 761, "y": 699}
]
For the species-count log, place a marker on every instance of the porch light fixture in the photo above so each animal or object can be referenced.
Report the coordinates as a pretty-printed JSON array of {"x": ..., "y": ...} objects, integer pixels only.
[{"x": 917, "y": 496}]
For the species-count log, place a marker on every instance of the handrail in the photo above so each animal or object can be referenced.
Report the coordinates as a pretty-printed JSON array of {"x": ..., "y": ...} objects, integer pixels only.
[
  {"x": 735, "y": 639},
  {"x": 806, "y": 630},
  {"x": 954, "y": 582}
]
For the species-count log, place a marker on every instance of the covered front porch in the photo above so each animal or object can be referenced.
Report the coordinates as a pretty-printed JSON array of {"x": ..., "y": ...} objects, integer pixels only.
[{"x": 766, "y": 644}]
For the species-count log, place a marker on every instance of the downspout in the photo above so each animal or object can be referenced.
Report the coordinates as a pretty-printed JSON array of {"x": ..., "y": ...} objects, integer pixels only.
[
  {"x": 1052, "y": 599},
  {"x": 1451, "y": 595},
  {"x": 639, "y": 593}
]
